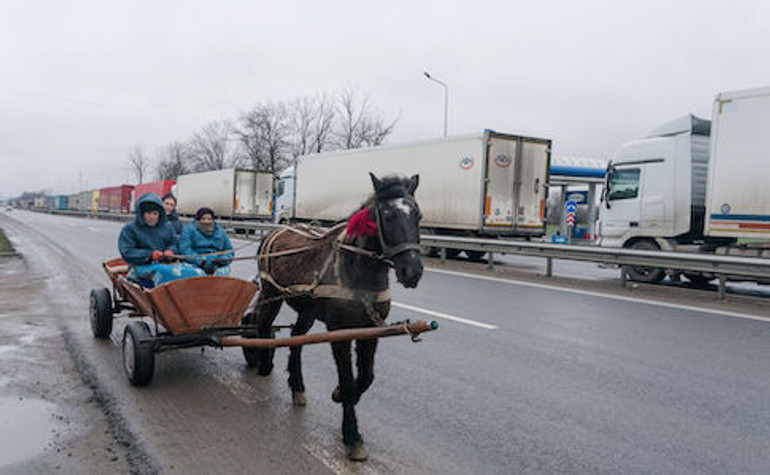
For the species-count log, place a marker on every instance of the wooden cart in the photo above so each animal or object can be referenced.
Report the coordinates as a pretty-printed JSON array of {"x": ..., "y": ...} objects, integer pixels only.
[{"x": 196, "y": 311}]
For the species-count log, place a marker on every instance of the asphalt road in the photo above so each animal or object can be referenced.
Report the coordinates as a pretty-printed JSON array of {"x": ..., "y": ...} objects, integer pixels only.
[{"x": 521, "y": 378}]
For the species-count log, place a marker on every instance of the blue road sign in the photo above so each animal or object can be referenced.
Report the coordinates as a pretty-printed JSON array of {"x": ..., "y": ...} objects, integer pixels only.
[{"x": 571, "y": 206}]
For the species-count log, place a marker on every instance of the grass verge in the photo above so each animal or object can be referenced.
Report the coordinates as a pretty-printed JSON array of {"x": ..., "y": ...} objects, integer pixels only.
[{"x": 5, "y": 244}]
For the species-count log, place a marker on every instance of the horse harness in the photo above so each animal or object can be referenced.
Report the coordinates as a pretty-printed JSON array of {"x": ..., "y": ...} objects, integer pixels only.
[{"x": 336, "y": 290}]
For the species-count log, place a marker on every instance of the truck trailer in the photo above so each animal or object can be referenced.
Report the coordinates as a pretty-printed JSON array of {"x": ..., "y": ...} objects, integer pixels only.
[
  {"x": 488, "y": 184},
  {"x": 693, "y": 185},
  {"x": 230, "y": 193},
  {"x": 115, "y": 199},
  {"x": 160, "y": 188}
]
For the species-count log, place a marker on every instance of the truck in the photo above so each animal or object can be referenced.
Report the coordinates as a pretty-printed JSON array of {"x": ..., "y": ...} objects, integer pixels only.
[
  {"x": 232, "y": 193},
  {"x": 693, "y": 185},
  {"x": 115, "y": 199},
  {"x": 160, "y": 188},
  {"x": 484, "y": 185}
]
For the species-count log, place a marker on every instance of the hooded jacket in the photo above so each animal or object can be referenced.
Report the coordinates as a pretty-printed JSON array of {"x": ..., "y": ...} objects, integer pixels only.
[
  {"x": 137, "y": 240},
  {"x": 193, "y": 241}
]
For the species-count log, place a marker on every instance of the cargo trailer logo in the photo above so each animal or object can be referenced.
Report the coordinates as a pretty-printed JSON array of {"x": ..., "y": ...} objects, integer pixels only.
[
  {"x": 503, "y": 161},
  {"x": 466, "y": 163},
  {"x": 726, "y": 208}
]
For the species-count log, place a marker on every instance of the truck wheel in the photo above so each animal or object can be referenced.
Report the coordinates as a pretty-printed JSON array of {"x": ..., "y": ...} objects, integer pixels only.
[
  {"x": 475, "y": 255},
  {"x": 138, "y": 355},
  {"x": 647, "y": 275},
  {"x": 698, "y": 281},
  {"x": 452, "y": 253},
  {"x": 100, "y": 311}
]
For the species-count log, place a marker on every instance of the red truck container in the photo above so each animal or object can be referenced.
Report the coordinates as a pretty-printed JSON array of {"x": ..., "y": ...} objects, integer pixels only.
[
  {"x": 115, "y": 199},
  {"x": 160, "y": 188}
]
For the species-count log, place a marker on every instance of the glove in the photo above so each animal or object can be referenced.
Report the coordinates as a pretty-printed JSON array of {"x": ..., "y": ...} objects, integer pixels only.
[
  {"x": 208, "y": 267},
  {"x": 168, "y": 256},
  {"x": 156, "y": 256}
]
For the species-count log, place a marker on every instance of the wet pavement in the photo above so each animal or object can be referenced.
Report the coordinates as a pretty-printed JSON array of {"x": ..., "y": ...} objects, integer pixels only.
[{"x": 49, "y": 420}]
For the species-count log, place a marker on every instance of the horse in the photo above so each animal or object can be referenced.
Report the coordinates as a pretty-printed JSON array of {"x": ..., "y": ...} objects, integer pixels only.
[{"x": 341, "y": 278}]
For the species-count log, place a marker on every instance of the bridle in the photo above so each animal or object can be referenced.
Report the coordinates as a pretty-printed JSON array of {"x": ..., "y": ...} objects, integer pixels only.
[{"x": 388, "y": 252}]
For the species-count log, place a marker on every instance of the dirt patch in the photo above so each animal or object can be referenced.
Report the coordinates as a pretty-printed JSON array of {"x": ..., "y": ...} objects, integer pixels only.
[{"x": 56, "y": 422}]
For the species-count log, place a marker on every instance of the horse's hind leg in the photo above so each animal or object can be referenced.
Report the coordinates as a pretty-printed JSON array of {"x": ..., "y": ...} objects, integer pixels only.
[
  {"x": 349, "y": 396},
  {"x": 296, "y": 383},
  {"x": 267, "y": 308}
]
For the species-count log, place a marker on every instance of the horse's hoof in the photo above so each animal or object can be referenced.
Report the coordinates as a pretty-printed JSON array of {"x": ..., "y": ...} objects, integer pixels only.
[
  {"x": 357, "y": 452},
  {"x": 298, "y": 399},
  {"x": 264, "y": 369},
  {"x": 337, "y": 395}
]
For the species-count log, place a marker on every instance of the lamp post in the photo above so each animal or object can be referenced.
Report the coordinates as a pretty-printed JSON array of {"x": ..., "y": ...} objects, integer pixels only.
[{"x": 446, "y": 97}]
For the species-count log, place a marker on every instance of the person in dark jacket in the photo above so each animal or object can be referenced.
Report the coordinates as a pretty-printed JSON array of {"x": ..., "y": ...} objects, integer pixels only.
[
  {"x": 169, "y": 204},
  {"x": 148, "y": 244},
  {"x": 204, "y": 236}
]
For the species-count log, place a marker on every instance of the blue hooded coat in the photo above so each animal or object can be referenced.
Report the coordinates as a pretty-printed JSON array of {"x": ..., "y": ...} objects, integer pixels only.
[
  {"x": 137, "y": 240},
  {"x": 194, "y": 241}
]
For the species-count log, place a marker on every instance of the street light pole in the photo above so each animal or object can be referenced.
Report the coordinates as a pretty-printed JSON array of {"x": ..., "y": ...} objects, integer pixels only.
[{"x": 446, "y": 97}]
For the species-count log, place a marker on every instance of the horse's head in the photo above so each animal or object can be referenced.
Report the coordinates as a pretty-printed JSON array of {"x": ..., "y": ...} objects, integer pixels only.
[{"x": 398, "y": 225}]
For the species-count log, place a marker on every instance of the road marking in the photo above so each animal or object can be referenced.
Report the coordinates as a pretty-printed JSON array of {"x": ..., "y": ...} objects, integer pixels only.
[
  {"x": 693, "y": 308},
  {"x": 445, "y": 316},
  {"x": 93, "y": 229}
]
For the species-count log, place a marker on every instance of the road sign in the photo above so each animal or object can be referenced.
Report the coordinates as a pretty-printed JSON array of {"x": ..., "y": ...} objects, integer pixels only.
[
  {"x": 571, "y": 219},
  {"x": 571, "y": 206}
]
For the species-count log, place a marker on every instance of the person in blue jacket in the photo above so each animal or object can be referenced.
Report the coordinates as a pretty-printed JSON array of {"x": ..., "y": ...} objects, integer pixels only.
[
  {"x": 148, "y": 245},
  {"x": 169, "y": 204},
  {"x": 206, "y": 242}
]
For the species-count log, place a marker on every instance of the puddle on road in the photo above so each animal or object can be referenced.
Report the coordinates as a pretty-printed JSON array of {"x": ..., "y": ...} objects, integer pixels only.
[{"x": 26, "y": 427}]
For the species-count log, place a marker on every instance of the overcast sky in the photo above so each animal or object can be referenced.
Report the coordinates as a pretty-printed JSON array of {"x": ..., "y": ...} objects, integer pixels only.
[{"x": 82, "y": 82}]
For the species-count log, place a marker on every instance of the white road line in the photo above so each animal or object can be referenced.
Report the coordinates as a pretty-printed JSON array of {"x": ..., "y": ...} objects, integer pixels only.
[
  {"x": 693, "y": 308},
  {"x": 96, "y": 230},
  {"x": 445, "y": 316}
]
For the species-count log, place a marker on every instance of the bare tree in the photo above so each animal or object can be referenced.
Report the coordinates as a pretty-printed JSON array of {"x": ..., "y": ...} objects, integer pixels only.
[
  {"x": 173, "y": 160},
  {"x": 139, "y": 162},
  {"x": 323, "y": 123},
  {"x": 210, "y": 147},
  {"x": 358, "y": 124},
  {"x": 264, "y": 136}
]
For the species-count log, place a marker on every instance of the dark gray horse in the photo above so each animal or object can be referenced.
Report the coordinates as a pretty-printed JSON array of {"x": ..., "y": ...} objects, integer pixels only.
[{"x": 341, "y": 278}]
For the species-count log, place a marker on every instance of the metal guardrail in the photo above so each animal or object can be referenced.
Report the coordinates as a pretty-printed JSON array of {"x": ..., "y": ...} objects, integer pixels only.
[{"x": 722, "y": 266}]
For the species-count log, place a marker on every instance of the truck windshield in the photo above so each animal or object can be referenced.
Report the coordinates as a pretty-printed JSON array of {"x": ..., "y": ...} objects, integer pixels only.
[{"x": 623, "y": 184}]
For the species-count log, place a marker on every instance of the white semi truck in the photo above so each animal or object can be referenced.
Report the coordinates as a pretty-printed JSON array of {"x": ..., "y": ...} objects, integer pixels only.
[
  {"x": 231, "y": 193},
  {"x": 693, "y": 185},
  {"x": 488, "y": 184}
]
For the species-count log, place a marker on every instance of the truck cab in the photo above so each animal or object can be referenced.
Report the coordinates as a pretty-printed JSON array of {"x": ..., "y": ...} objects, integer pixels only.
[
  {"x": 284, "y": 196},
  {"x": 655, "y": 188}
]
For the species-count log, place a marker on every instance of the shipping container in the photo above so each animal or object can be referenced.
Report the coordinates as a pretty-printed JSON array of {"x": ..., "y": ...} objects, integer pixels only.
[
  {"x": 489, "y": 184},
  {"x": 234, "y": 193},
  {"x": 115, "y": 199}
]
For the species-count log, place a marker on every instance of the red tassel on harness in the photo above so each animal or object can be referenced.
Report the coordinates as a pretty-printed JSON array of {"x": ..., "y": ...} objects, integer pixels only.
[{"x": 361, "y": 225}]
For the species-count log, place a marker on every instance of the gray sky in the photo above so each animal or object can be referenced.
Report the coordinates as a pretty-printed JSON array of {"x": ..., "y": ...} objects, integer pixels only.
[{"x": 84, "y": 81}]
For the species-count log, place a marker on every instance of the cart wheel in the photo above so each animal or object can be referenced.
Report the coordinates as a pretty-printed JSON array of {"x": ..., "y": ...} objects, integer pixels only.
[
  {"x": 100, "y": 312},
  {"x": 138, "y": 357}
]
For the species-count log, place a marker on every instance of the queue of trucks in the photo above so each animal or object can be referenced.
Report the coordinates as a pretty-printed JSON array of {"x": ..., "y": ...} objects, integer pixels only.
[{"x": 692, "y": 184}]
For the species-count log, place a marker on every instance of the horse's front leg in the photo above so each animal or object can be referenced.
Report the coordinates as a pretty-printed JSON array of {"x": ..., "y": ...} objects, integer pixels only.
[
  {"x": 365, "y": 350},
  {"x": 296, "y": 382},
  {"x": 348, "y": 394}
]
